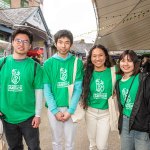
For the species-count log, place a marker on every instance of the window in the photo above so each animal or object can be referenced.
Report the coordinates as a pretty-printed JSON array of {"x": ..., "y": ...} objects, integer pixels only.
[
  {"x": 2, "y": 37},
  {"x": 24, "y": 3},
  {"x": 5, "y": 3}
]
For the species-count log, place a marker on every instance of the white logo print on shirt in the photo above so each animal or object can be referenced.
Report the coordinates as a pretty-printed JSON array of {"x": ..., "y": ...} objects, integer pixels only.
[
  {"x": 99, "y": 85},
  {"x": 15, "y": 78},
  {"x": 128, "y": 104},
  {"x": 63, "y": 74},
  {"x": 99, "y": 90},
  {"x": 63, "y": 78}
]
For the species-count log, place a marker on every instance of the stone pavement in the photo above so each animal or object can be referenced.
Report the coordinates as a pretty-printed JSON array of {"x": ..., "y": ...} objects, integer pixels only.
[{"x": 81, "y": 142}]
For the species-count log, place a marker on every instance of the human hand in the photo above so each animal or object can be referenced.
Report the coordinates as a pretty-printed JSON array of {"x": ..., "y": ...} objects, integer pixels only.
[
  {"x": 36, "y": 122},
  {"x": 66, "y": 116},
  {"x": 59, "y": 116}
]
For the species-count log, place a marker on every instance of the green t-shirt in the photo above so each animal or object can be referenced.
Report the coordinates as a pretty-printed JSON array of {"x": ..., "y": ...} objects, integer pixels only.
[
  {"x": 100, "y": 89},
  {"x": 17, "y": 89},
  {"x": 124, "y": 86},
  {"x": 59, "y": 74}
]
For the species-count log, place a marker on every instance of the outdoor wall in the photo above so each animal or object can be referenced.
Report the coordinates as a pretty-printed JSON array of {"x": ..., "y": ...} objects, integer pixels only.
[{"x": 17, "y": 3}]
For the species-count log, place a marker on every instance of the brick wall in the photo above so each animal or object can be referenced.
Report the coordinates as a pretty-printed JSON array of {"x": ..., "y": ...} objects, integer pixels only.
[{"x": 17, "y": 3}]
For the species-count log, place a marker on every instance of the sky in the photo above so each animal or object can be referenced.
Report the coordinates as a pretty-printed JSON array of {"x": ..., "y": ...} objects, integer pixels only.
[{"x": 75, "y": 15}]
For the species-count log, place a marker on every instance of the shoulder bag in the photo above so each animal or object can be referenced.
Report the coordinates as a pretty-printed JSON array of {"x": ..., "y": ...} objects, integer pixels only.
[
  {"x": 113, "y": 104},
  {"x": 79, "y": 112}
]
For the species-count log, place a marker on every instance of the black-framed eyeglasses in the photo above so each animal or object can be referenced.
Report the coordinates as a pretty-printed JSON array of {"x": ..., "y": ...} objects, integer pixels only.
[{"x": 20, "y": 41}]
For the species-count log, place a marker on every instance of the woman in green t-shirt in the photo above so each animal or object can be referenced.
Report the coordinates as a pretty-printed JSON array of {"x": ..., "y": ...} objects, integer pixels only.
[
  {"x": 133, "y": 96},
  {"x": 97, "y": 88}
]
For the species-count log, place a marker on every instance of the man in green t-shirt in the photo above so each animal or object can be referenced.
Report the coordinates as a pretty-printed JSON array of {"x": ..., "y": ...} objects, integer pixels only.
[
  {"x": 58, "y": 74},
  {"x": 21, "y": 90}
]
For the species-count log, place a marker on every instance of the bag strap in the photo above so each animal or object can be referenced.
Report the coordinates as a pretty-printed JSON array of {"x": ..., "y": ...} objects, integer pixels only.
[
  {"x": 74, "y": 73},
  {"x": 113, "y": 75},
  {"x": 35, "y": 66},
  {"x": 128, "y": 92},
  {"x": 3, "y": 63},
  {"x": 75, "y": 69}
]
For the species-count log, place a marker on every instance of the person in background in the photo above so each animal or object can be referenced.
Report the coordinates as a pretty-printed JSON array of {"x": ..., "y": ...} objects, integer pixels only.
[
  {"x": 97, "y": 88},
  {"x": 113, "y": 61},
  {"x": 21, "y": 91},
  {"x": 145, "y": 63},
  {"x": 134, "y": 102},
  {"x": 58, "y": 74}
]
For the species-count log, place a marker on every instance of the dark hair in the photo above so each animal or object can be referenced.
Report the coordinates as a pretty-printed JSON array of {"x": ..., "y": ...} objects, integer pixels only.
[
  {"x": 145, "y": 67},
  {"x": 23, "y": 31},
  {"x": 89, "y": 67},
  {"x": 133, "y": 56},
  {"x": 63, "y": 33},
  {"x": 145, "y": 55}
]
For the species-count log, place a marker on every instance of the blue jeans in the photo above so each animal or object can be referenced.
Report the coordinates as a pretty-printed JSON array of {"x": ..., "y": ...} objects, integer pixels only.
[
  {"x": 15, "y": 133},
  {"x": 133, "y": 140}
]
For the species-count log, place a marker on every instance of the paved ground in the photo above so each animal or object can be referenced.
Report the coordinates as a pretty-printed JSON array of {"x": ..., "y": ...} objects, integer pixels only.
[{"x": 81, "y": 142}]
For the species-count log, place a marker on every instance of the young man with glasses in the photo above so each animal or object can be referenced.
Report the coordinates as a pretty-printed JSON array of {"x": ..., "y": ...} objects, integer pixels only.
[{"x": 21, "y": 89}]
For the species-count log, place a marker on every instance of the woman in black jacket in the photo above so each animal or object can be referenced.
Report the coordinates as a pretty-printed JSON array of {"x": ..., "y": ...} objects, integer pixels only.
[{"x": 133, "y": 92}]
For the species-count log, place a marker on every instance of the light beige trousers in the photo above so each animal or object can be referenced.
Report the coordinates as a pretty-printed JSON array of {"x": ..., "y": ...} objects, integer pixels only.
[{"x": 97, "y": 123}]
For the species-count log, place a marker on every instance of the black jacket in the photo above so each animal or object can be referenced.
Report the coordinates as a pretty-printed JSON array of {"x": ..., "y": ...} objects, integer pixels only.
[
  {"x": 140, "y": 116},
  {"x": 145, "y": 67}
]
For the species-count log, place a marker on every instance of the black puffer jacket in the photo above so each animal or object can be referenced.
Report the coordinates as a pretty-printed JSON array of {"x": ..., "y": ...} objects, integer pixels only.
[{"x": 140, "y": 116}]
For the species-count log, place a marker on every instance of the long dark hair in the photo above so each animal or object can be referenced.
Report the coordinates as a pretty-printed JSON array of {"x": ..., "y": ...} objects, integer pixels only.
[
  {"x": 133, "y": 56},
  {"x": 89, "y": 68}
]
